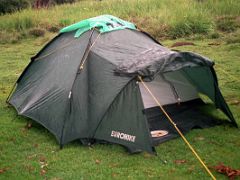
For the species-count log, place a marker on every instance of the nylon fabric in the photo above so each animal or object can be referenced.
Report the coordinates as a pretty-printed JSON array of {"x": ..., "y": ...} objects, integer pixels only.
[
  {"x": 204, "y": 80},
  {"x": 126, "y": 116},
  {"x": 42, "y": 93},
  {"x": 143, "y": 56},
  {"x": 94, "y": 90}
]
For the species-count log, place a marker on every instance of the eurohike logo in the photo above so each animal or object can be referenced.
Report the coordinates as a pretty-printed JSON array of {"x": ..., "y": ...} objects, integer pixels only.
[{"x": 123, "y": 136}]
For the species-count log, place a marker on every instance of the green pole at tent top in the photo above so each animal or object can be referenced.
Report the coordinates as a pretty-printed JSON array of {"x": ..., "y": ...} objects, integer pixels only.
[{"x": 105, "y": 23}]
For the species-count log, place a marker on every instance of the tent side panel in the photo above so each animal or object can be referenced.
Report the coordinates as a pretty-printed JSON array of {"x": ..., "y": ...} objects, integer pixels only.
[
  {"x": 204, "y": 78},
  {"x": 42, "y": 93},
  {"x": 95, "y": 87},
  {"x": 124, "y": 123}
]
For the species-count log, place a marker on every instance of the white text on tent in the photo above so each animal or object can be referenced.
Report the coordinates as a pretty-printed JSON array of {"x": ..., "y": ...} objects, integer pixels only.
[{"x": 123, "y": 136}]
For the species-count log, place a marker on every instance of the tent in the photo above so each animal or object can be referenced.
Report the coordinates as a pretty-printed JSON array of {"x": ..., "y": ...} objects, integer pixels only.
[{"x": 84, "y": 85}]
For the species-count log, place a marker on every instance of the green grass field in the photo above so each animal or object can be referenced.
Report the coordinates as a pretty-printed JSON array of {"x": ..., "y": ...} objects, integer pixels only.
[
  {"x": 161, "y": 18},
  {"x": 34, "y": 153}
]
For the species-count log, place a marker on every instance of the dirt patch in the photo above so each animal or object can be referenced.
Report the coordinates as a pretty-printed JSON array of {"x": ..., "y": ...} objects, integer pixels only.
[{"x": 183, "y": 44}]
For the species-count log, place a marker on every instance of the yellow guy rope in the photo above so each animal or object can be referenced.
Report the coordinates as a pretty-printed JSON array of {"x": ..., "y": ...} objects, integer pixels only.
[{"x": 175, "y": 126}]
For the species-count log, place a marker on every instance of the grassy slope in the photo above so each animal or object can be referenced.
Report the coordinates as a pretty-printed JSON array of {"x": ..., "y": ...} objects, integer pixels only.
[
  {"x": 160, "y": 18},
  {"x": 22, "y": 152}
]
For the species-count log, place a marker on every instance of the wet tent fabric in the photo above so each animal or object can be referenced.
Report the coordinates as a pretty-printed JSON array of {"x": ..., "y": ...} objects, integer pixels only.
[
  {"x": 93, "y": 92},
  {"x": 103, "y": 101},
  {"x": 42, "y": 91},
  {"x": 126, "y": 115}
]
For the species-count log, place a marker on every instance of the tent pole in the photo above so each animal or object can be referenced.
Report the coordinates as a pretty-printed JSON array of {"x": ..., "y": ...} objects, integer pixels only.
[{"x": 177, "y": 129}]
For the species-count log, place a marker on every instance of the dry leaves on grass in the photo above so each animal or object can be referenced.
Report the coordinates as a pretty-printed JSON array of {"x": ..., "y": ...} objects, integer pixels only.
[
  {"x": 28, "y": 125},
  {"x": 180, "y": 161},
  {"x": 97, "y": 161},
  {"x": 214, "y": 44},
  {"x": 3, "y": 170},
  {"x": 43, "y": 164},
  {"x": 182, "y": 44},
  {"x": 43, "y": 172},
  {"x": 228, "y": 171}
]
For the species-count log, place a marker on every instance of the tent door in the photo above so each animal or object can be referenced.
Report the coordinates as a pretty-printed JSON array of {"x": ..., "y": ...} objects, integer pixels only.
[{"x": 170, "y": 89}]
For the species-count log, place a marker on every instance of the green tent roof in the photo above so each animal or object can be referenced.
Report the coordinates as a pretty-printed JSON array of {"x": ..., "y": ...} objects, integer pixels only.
[{"x": 104, "y": 23}]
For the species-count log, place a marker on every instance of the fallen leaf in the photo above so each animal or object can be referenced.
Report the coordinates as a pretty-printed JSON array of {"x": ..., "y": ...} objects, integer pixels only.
[
  {"x": 147, "y": 155},
  {"x": 55, "y": 178},
  {"x": 214, "y": 44},
  {"x": 43, "y": 165},
  {"x": 180, "y": 161},
  {"x": 13, "y": 139},
  {"x": 113, "y": 165},
  {"x": 42, "y": 159},
  {"x": 29, "y": 168},
  {"x": 43, "y": 172},
  {"x": 28, "y": 125},
  {"x": 183, "y": 44},
  {"x": 32, "y": 156},
  {"x": 228, "y": 171},
  {"x": 3, "y": 170},
  {"x": 35, "y": 145},
  {"x": 234, "y": 102},
  {"x": 199, "y": 138},
  {"x": 191, "y": 168},
  {"x": 97, "y": 161},
  {"x": 114, "y": 174}
]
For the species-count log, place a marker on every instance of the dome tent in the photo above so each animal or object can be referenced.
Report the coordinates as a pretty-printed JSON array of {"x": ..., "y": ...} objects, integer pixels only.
[{"x": 84, "y": 85}]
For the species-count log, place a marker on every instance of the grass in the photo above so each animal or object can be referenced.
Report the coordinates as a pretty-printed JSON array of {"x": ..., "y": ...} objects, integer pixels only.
[
  {"x": 34, "y": 153},
  {"x": 164, "y": 18}
]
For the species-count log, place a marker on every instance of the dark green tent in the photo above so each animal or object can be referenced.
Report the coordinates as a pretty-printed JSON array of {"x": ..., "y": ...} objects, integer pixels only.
[{"x": 83, "y": 85}]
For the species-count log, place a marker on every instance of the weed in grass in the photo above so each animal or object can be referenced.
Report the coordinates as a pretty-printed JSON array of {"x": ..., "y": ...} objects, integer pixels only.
[
  {"x": 6, "y": 37},
  {"x": 233, "y": 38},
  {"x": 64, "y": 22},
  {"x": 24, "y": 23},
  {"x": 53, "y": 28},
  {"x": 190, "y": 25},
  {"x": 227, "y": 23},
  {"x": 37, "y": 32},
  {"x": 214, "y": 35}
]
